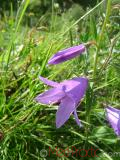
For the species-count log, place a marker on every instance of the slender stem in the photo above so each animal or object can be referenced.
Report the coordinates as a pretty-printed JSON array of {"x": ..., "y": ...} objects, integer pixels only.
[
  {"x": 71, "y": 37},
  {"x": 107, "y": 60},
  {"x": 52, "y": 17},
  {"x": 85, "y": 15},
  {"x": 108, "y": 9},
  {"x": 16, "y": 30}
]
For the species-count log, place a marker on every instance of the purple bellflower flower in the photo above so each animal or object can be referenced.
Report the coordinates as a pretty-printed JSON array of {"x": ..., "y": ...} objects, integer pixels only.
[
  {"x": 67, "y": 94},
  {"x": 66, "y": 54},
  {"x": 113, "y": 116}
]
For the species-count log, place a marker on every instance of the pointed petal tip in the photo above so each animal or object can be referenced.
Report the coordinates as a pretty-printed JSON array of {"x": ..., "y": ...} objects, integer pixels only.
[
  {"x": 49, "y": 82},
  {"x": 50, "y": 62},
  {"x": 41, "y": 78},
  {"x": 58, "y": 124},
  {"x": 107, "y": 109},
  {"x": 37, "y": 99},
  {"x": 77, "y": 119},
  {"x": 81, "y": 125}
]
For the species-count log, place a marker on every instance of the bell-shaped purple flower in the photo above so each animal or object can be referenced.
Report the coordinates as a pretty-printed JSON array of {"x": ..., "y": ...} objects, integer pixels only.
[
  {"x": 67, "y": 54},
  {"x": 68, "y": 94},
  {"x": 113, "y": 116}
]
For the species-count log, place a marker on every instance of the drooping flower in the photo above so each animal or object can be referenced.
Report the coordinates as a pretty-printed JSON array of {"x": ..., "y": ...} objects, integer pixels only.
[
  {"x": 66, "y": 54},
  {"x": 68, "y": 94},
  {"x": 113, "y": 116}
]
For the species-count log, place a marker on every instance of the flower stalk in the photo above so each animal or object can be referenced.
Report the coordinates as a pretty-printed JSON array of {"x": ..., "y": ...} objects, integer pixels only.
[{"x": 108, "y": 10}]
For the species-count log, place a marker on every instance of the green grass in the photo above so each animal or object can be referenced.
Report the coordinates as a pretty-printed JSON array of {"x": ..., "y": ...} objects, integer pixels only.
[{"x": 27, "y": 127}]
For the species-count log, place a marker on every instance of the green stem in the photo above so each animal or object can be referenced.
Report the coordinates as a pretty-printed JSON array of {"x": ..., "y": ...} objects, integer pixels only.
[
  {"x": 16, "y": 30},
  {"x": 101, "y": 36},
  {"x": 107, "y": 60}
]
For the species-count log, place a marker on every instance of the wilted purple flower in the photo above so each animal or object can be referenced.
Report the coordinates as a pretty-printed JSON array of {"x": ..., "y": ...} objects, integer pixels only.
[
  {"x": 68, "y": 94},
  {"x": 113, "y": 116},
  {"x": 67, "y": 54}
]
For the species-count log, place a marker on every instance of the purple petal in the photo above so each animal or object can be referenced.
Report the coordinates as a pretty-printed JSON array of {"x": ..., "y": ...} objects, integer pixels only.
[
  {"x": 51, "y": 96},
  {"x": 67, "y": 54},
  {"x": 49, "y": 82},
  {"x": 113, "y": 116},
  {"x": 67, "y": 106},
  {"x": 118, "y": 125},
  {"x": 112, "y": 109},
  {"x": 76, "y": 118},
  {"x": 76, "y": 87}
]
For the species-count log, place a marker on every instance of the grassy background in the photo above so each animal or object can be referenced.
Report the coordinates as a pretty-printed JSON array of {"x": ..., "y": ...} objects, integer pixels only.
[{"x": 27, "y": 127}]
